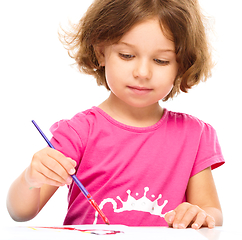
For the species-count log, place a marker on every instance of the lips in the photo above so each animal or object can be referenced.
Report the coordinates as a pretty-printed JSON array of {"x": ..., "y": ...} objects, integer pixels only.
[{"x": 139, "y": 90}]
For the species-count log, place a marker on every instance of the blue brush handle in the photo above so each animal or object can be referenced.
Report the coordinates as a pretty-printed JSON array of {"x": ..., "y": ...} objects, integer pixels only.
[{"x": 74, "y": 177}]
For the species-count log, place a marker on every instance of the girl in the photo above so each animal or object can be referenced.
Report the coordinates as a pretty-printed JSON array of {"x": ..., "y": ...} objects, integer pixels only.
[{"x": 143, "y": 164}]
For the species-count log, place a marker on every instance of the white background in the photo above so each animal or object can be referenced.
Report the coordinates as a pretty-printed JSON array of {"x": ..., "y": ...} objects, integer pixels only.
[{"x": 37, "y": 82}]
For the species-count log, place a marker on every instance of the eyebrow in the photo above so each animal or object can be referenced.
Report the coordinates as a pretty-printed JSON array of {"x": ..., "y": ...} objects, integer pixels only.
[{"x": 159, "y": 50}]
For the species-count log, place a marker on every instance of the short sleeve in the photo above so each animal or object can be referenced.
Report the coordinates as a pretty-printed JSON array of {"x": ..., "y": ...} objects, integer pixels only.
[
  {"x": 209, "y": 151},
  {"x": 66, "y": 140}
]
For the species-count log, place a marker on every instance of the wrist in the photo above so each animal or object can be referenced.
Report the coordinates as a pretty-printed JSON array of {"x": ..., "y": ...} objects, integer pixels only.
[{"x": 28, "y": 180}]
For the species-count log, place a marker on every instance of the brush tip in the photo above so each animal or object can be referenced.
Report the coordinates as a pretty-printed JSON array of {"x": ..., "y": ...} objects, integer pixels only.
[{"x": 106, "y": 221}]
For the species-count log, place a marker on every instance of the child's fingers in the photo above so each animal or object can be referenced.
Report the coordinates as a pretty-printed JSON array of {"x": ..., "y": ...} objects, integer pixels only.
[
  {"x": 66, "y": 163},
  {"x": 58, "y": 172},
  {"x": 54, "y": 171},
  {"x": 46, "y": 165},
  {"x": 200, "y": 219},
  {"x": 185, "y": 215},
  {"x": 53, "y": 166},
  {"x": 73, "y": 162},
  {"x": 181, "y": 211},
  {"x": 169, "y": 217},
  {"x": 210, "y": 221},
  {"x": 204, "y": 219},
  {"x": 36, "y": 179},
  {"x": 190, "y": 214},
  {"x": 50, "y": 181}
]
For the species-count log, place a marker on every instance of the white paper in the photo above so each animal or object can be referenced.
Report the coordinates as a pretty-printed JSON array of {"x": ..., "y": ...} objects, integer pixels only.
[{"x": 154, "y": 233}]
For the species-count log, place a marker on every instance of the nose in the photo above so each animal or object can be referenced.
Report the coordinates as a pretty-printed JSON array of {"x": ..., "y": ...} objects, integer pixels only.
[{"x": 142, "y": 70}]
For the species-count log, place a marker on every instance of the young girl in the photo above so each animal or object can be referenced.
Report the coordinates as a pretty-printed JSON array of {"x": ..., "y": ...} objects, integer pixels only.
[{"x": 144, "y": 165}]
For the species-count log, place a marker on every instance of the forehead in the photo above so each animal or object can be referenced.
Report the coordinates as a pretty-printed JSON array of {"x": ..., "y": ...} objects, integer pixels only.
[{"x": 147, "y": 33}]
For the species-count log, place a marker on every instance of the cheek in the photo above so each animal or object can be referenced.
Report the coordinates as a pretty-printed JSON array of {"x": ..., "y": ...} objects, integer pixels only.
[
  {"x": 172, "y": 73},
  {"x": 167, "y": 77},
  {"x": 116, "y": 71},
  {"x": 112, "y": 75}
]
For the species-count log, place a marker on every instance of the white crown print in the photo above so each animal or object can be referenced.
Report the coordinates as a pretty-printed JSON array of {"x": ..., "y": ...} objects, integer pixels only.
[{"x": 142, "y": 204}]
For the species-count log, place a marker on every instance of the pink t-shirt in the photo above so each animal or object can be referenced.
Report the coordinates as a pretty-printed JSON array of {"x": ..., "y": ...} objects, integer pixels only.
[{"x": 134, "y": 174}]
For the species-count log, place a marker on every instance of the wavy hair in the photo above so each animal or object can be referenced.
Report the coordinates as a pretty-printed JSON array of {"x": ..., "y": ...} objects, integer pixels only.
[{"x": 106, "y": 21}]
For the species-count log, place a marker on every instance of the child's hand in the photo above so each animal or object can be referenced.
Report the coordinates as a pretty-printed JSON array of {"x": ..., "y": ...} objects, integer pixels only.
[
  {"x": 50, "y": 167},
  {"x": 186, "y": 215}
]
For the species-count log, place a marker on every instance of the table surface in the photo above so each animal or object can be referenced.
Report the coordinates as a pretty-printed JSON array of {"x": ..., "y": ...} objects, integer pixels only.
[
  {"x": 107, "y": 232},
  {"x": 221, "y": 233}
]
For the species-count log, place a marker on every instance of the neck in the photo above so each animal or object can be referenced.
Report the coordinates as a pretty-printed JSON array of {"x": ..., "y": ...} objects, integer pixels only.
[{"x": 130, "y": 115}]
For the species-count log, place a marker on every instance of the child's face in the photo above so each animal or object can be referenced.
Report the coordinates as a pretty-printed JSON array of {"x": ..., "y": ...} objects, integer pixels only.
[{"x": 141, "y": 67}]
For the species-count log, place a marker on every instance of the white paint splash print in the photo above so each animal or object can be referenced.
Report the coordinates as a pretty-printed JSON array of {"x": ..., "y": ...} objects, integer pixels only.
[{"x": 142, "y": 204}]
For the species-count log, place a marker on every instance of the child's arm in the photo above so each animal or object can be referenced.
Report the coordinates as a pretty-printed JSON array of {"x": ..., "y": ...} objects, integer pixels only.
[
  {"x": 202, "y": 207},
  {"x": 28, "y": 194}
]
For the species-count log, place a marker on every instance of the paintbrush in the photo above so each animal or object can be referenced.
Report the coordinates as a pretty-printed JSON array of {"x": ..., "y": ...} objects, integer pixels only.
[{"x": 76, "y": 180}]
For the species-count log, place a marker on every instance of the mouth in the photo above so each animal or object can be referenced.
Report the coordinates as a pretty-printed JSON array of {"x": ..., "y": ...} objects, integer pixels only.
[{"x": 139, "y": 90}]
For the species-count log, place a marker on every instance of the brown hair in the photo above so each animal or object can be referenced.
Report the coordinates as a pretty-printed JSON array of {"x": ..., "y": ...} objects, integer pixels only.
[{"x": 106, "y": 21}]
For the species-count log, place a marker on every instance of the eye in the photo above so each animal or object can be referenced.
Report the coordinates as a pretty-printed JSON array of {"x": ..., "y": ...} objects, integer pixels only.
[
  {"x": 126, "y": 56},
  {"x": 161, "y": 62}
]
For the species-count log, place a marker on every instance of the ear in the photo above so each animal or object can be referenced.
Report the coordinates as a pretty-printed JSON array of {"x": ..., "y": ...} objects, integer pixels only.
[{"x": 99, "y": 51}]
